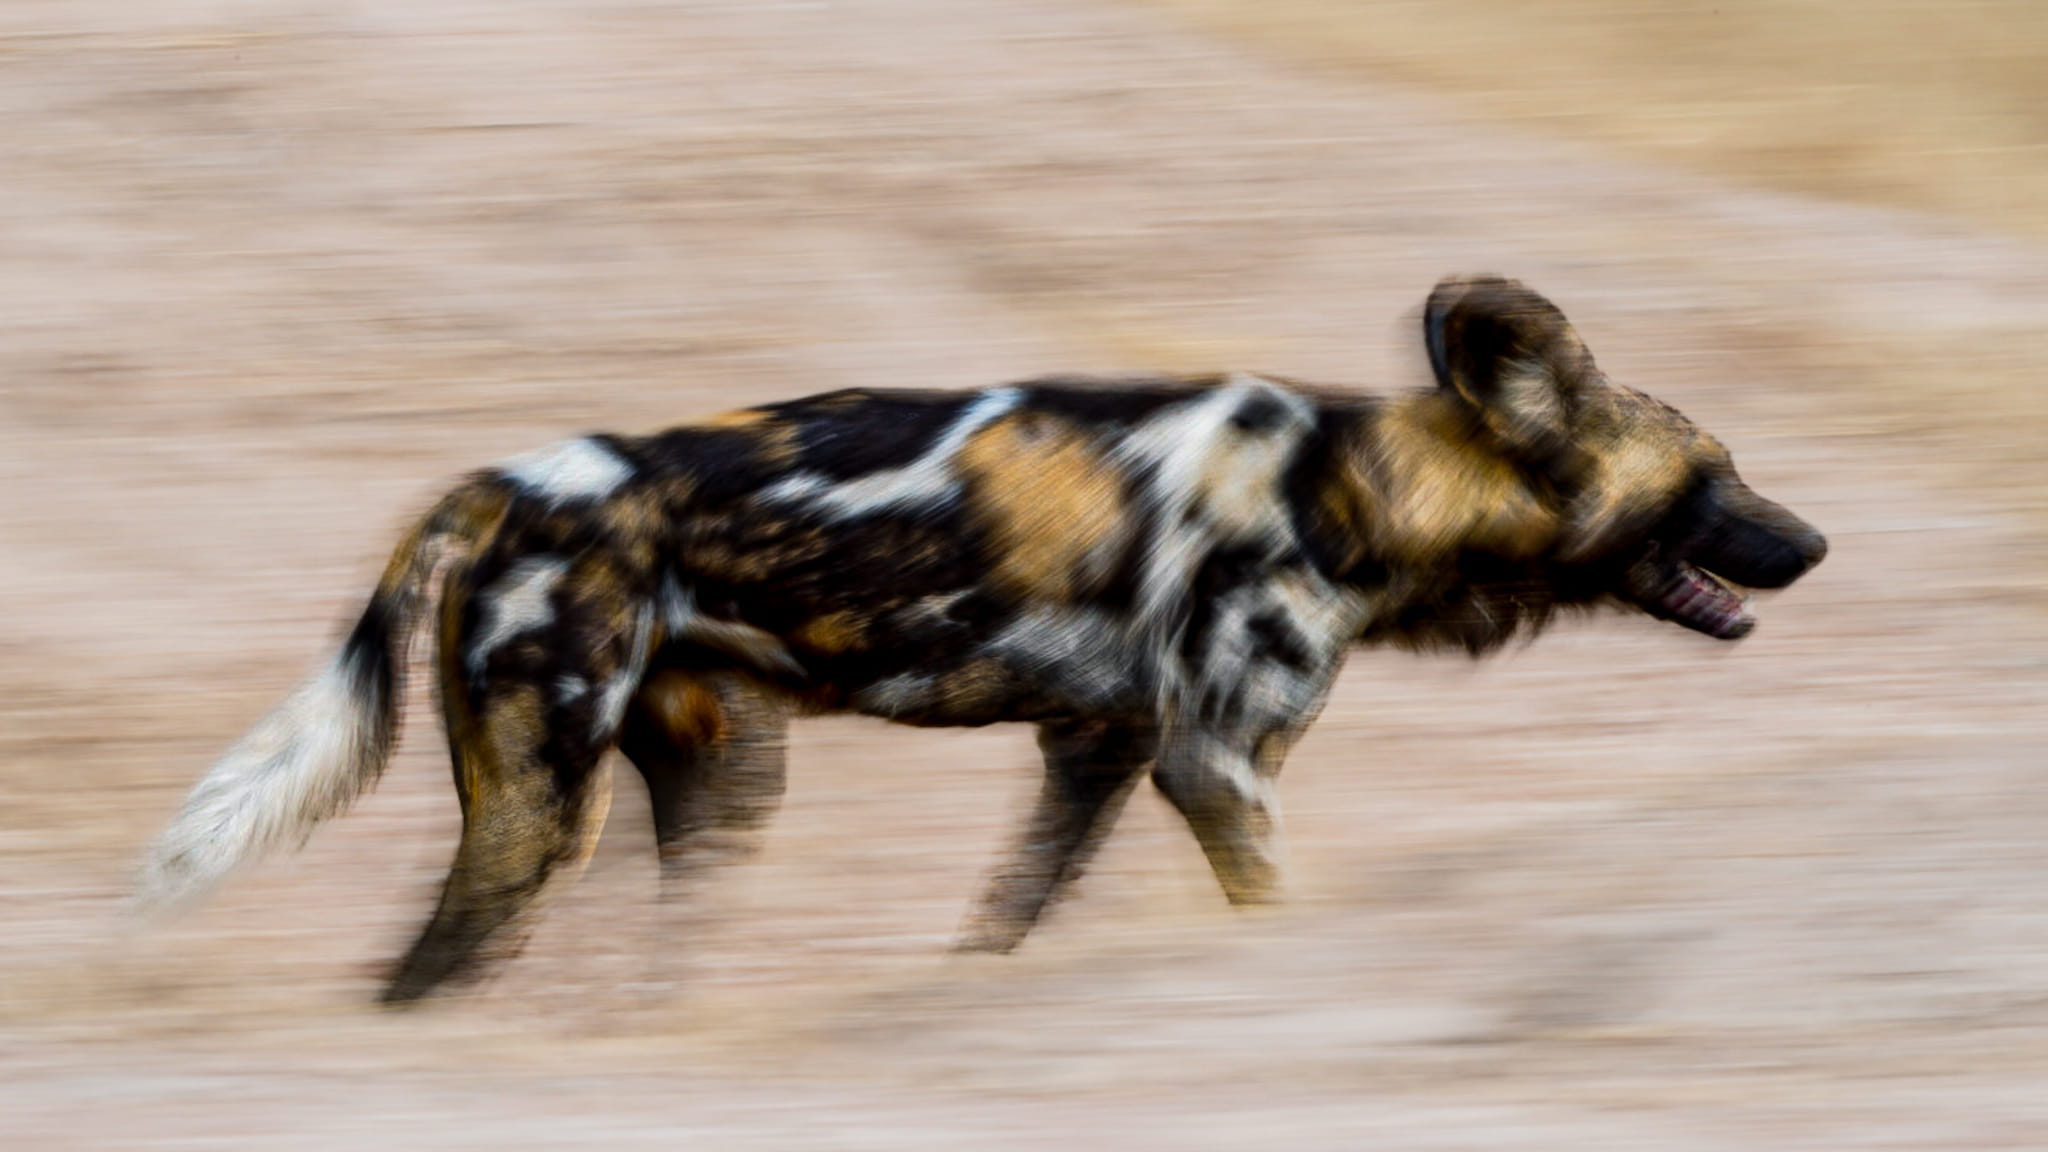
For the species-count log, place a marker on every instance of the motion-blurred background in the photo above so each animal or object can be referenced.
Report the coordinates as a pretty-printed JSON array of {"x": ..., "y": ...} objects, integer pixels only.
[{"x": 271, "y": 272}]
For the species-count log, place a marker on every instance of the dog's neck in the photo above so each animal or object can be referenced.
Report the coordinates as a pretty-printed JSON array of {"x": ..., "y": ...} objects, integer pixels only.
[{"x": 1445, "y": 533}]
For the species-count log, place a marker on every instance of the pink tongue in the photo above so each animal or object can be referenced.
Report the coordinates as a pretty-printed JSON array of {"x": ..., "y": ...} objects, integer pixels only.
[{"x": 1706, "y": 604}]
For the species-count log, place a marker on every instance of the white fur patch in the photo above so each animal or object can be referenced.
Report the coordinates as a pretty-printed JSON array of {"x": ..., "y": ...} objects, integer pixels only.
[
  {"x": 303, "y": 762},
  {"x": 928, "y": 479},
  {"x": 1201, "y": 459},
  {"x": 1264, "y": 693},
  {"x": 1241, "y": 481},
  {"x": 611, "y": 704},
  {"x": 1329, "y": 617},
  {"x": 1081, "y": 650},
  {"x": 895, "y": 695},
  {"x": 1211, "y": 481},
  {"x": 1220, "y": 768},
  {"x": 580, "y": 469},
  {"x": 518, "y": 603}
]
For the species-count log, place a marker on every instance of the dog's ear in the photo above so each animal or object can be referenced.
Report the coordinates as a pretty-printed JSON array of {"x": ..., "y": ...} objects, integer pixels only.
[{"x": 1511, "y": 355}]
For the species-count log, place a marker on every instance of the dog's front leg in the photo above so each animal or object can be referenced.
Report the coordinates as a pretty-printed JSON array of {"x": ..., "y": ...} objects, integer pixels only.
[
  {"x": 1090, "y": 767},
  {"x": 1224, "y": 785},
  {"x": 711, "y": 748}
]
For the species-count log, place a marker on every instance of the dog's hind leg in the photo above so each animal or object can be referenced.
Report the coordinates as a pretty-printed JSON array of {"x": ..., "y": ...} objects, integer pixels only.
[
  {"x": 711, "y": 748},
  {"x": 521, "y": 828},
  {"x": 533, "y": 688},
  {"x": 1090, "y": 769}
]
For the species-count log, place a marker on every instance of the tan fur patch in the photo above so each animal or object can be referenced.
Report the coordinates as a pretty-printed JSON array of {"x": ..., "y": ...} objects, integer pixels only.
[
  {"x": 687, "y": 709},
  {"x": 1441, "y": 488},
  {"x": 478, "y": 512},
  {"x": 776, "y": 442},
  {"x": 455, "y": 710},
  {"x": 974, "y": 686},
  {"x": 832, "y": 633},
  {"x": 1313, "y": 604},
  {"x": 1346, "y": 505},
  {"x": 599, "y": 589},
  {"x": 1270, "y": 752},
  {"x": 1641, "y": 454},
  {"x": 1240, "y": 481},
  {"x": 636, "y": 521},
  {"x": 759, "y": 553},
  {"x": 1051, "y": 504},
  {"x": 514, "y": 724},
  {"x": 773, "y": 437},
  {"x": 737, "y": 418}
]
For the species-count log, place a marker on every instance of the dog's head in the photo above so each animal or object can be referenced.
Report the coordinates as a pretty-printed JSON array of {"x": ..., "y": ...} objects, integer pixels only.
[{"x": 1652, "y": 513}]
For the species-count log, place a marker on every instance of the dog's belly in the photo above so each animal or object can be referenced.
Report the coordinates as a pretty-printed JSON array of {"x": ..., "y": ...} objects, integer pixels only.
[
  {"x": 1042, "y": 663},
  {"x": 963, "y": 657},
  {"x": 1257, "y": 658}
]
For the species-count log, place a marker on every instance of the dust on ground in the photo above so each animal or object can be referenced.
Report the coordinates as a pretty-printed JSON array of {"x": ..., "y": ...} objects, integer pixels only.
[{"x": 273, "y": 273}]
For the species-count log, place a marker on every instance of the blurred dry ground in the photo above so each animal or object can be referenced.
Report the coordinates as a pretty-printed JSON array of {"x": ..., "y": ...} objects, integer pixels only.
[{"x": 273, "y": 272}]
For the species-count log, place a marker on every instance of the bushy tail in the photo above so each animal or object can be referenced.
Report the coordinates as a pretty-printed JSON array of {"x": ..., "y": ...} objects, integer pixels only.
[{"x": 327, "y": 742}]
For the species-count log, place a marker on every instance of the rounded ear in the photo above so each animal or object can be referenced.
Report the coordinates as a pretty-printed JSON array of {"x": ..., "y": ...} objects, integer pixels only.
[{"x": 1510, "y": 354}]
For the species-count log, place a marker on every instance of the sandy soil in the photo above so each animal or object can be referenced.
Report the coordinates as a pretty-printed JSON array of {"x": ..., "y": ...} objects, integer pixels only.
[{"x": 272, "y": 272}]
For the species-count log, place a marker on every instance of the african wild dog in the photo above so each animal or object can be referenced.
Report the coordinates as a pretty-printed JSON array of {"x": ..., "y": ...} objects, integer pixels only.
[{"x": 1163, "y": 575}]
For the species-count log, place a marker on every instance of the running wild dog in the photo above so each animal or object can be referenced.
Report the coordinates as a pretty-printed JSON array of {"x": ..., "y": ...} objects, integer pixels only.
[{"x": 1163, "y": 575}]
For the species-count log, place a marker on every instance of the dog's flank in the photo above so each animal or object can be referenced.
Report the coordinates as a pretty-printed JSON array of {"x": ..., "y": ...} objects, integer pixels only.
[{"x": 1164, "y": 575}]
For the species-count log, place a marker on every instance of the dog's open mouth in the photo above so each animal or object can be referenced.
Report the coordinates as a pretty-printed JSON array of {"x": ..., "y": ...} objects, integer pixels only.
[{"x": 1700, "y": 601}]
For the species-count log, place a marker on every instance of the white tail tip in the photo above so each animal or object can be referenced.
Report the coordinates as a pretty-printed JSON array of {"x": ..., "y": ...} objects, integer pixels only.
[{"x": 305, "y": 761}]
